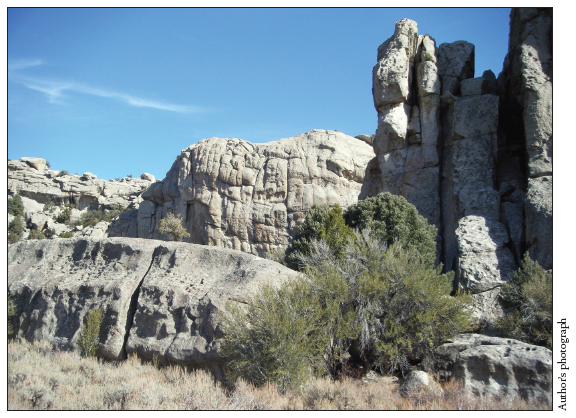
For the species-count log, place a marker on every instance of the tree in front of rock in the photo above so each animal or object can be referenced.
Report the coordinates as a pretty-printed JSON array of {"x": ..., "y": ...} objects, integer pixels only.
[
  {"x": 321, "y": 222},
  {"x": 15, "y": 229},
  {"x": 15, "y": 205},
  {"x": 528, "y": 296},
  {"x": 88, "y": 342},
  {"x": 368, "y": 306},
  {"x": 390, "y": 218},
  {"x": 171, "y": 227}
]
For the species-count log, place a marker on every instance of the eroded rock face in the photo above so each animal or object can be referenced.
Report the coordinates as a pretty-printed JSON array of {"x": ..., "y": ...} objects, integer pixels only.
[
  {"x": 252, "y": 197},
  {"x": 46, "y": 194},
  {"x": 160, "y": 298},
  {"x": 30, "y": 178},
  {"x": 499, "y": 367},
  {"x": 455, "y": 147}
]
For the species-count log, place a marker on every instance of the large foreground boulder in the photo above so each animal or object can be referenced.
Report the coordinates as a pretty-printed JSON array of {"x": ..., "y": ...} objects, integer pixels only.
[
  {"x": 499, "y": 367},
  {"x": 158, "y": 298}
]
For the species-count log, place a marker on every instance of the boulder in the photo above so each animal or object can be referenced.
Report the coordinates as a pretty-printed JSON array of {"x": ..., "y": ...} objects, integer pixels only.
[
  {"x": 36, "y": 163},
  {"x": 420, "y": 385},
  {"x": 31, "y": 206},
  {"x": 499, "y": 367},
  {"x": 40, "y": 221},
  {"x": 56, "y": 229},
  {"x": 392, "y": 74},
  {"x": 146, "y": 176},
  {"x": 484, "y": 264},
  {"x": 162, "y": 298},
  {"x": 96, "y": 231},
  {"x": 89, "y": 176}
]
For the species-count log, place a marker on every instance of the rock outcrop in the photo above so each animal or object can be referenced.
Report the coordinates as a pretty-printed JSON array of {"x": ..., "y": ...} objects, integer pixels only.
[
  {"x": 160, "y": 298},
  {"x": 35, "y": 181},
  {"x": 472, "y": 154},
  {"x": 47, "y": 193},
  {"x": 499, "y": 367},
  {"x": 252, "y": 197}
]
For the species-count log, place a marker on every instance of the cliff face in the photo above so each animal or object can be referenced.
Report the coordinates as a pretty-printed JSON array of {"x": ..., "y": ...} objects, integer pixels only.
[
  {"x": 252, "y": 197},
  {"x": 472, "y": 154}
]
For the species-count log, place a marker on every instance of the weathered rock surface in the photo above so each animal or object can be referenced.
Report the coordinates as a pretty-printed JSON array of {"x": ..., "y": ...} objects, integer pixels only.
[
  {"x": 158, "y": 297},
  {"x": 46, "y": 193},
  {"x": 528, "y": 81},
  {"x": 34, "y": 181},
  {"x": 455, "y": 146},
  {"x": 252, "y": 197},
  {"x": 497, "y": 366},
  {"x": 419, "y": 384}
]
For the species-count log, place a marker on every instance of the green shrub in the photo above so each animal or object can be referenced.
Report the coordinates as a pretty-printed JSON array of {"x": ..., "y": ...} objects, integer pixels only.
[
  {"x": 12, "y": 238},
  {"x": 275, "y": 339},
  {"x": 171, "y": 227},
  {"x": 11, "y": 317},
  {"x": 528, "y": 295},
  {"x": 49, "y": 207},
  {"x": 363, "y": 306},
  {"x": 15, "y": 206},
  {"x": 387, "y": 305},
  {"x": 16, "y": 226},
  {"x": 88, "y": 340},
  {"x": 392, "y": 218},
  {"x": 66, "y": 234},
  {"x": 35, "y": 234},
  {"x": 64, "y": 216},
  {"x": 92, "y": 217},
  {"x": 62, "y": 173},
  {"x": 321, "y": 222}
]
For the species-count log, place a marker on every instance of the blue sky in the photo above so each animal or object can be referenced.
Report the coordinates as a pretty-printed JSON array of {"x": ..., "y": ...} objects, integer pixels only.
[{"x": 123, "y": 91}]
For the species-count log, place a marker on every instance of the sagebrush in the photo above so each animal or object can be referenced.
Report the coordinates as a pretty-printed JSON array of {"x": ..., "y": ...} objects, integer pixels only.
[
  {"x": 528, "y": 297},
  {"x": 365, "y": 306},
  {"x": 171, "y": 227}
]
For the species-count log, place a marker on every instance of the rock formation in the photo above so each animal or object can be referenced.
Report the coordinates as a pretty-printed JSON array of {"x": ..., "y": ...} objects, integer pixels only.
[
  {"x": 472, "y": 154},
  {"x": 252, "y": 197},
  {"x": 160, "y": 298},
  {"x": 46, "y": 193},
  {"x": 497, "y": 367}
]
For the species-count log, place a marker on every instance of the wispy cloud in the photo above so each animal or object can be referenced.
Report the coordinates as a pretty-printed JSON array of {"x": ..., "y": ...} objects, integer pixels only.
[
  {"x": 20, "y": 64},
  {"x": 54, "y": 90}
]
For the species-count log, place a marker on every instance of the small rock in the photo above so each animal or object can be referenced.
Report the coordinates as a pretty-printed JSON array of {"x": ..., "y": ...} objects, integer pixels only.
[{"x": 419, "y": 384}]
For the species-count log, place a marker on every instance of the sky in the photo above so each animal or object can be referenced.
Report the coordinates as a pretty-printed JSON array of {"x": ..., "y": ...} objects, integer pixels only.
[{"x": 122, "y": 91}]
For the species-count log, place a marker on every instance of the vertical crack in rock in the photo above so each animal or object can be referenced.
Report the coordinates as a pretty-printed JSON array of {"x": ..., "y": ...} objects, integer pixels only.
[{"x": 133, "y": 305}]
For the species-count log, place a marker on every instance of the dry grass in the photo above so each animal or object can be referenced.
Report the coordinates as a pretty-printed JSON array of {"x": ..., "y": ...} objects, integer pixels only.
[{"x": 42, "y": 378}]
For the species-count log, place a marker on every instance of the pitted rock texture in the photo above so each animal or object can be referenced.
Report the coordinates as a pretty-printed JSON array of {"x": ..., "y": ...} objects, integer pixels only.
[
  {"x": 160, "y": 298},
  {"x": 252, "y": 197},
  {"x": 499, "y": 367},
  {"x": 529, "y": 95},
  {"x": 472, "y": 154}
]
